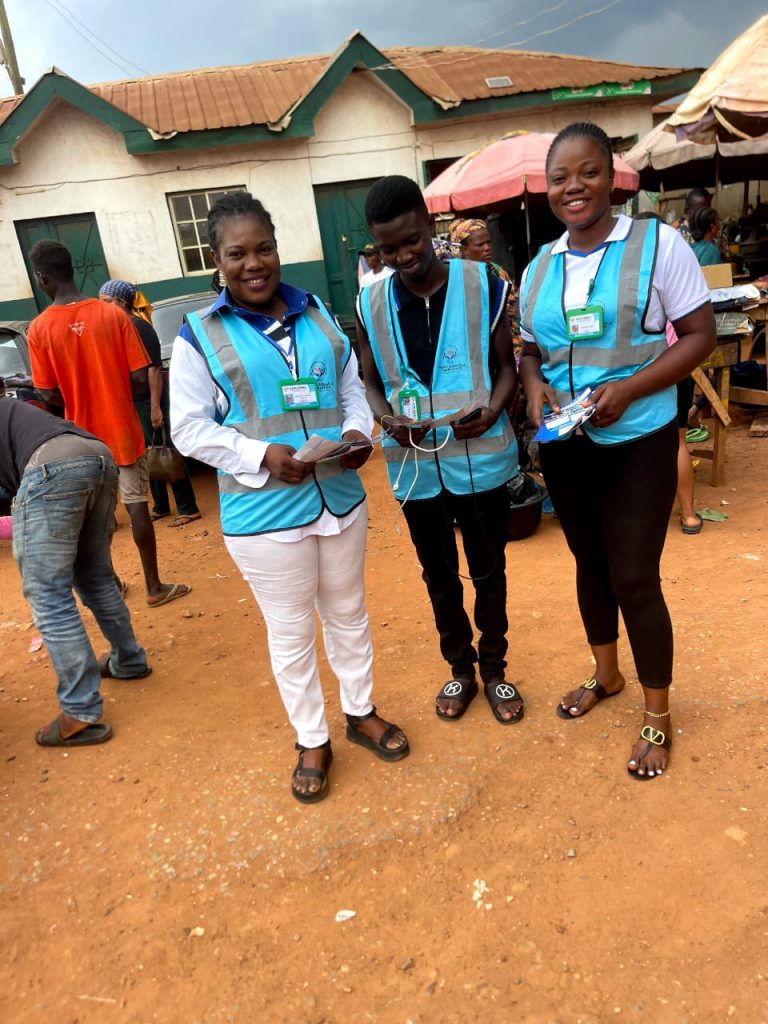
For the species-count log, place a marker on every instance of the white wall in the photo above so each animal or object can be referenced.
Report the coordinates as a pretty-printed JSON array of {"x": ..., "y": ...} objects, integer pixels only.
[
  {"x": 70, "y": 163},
  {"x": 617, "y": 117}
]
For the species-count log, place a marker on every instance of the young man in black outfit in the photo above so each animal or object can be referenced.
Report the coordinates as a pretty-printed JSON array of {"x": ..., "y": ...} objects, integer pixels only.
[{"x": 434, "y": 343}]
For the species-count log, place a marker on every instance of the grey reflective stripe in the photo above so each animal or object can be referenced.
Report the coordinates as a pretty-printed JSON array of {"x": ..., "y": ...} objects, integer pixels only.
[
  {"x": 230, "y": 485},
  {"x": 629, "y": 302},
  {"x": 259, "y": 427},
  {"x": 477, "y": 446},
  {"x": 230, "y": 363},
  {"x": 473, "y": 291},
  {"x": 338, "y": 342},
  {"x": 328, "y": 469},
  {"x": 385, "y": 342},
  {"x": 534, "y": 287},
  {"x": 452, "y": 400},
  {"x": 629, "y": 355},
  {"x": 283, "y": 422},
  {"x": 629, "y": 306}
]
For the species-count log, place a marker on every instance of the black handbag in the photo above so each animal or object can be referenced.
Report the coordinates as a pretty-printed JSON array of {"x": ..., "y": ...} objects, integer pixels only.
[{"x": 165, "y": 463}]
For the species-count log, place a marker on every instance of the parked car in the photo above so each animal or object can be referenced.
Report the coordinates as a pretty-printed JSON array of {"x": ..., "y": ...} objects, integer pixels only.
[
  {"x": 15, "y": 368},
  {"x": 168, "y": 314}
]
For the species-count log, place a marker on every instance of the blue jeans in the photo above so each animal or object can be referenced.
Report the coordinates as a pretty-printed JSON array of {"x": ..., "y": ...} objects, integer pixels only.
[{"x": 63, "y": 521}]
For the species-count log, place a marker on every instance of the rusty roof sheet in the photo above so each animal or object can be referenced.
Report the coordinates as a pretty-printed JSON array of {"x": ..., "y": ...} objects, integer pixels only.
[
  {"x": 215, "y": 97},
  {"x": 458, "y": 74},
  {"x": 266, "y": 92}
]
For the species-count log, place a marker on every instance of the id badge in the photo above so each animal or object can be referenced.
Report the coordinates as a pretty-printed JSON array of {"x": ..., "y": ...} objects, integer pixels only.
[
  {"x": 410, "y": 405},
  {"x": 584, "y": 323},
  {"x": 299, "y": 394}
]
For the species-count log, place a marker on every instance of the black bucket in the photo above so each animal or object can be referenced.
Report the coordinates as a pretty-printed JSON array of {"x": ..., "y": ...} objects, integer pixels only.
[{"x": 525, "y": 500}]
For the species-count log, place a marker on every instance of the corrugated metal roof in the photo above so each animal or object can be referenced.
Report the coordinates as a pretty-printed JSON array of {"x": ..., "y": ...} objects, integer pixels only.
[
  {"x": 263, "y": 93},
  {"x": 215, "y": 97},
  {"x": 458, "y": 74}
]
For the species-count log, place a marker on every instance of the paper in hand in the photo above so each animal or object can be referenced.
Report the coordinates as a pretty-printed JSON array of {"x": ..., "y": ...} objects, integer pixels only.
[{"x": 560, "y": 424}]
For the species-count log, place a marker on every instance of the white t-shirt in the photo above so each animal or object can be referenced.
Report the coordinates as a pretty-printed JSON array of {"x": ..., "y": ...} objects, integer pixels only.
[
  {"x": 370, "y": 278},
  {"x": 678, "y": 286}
]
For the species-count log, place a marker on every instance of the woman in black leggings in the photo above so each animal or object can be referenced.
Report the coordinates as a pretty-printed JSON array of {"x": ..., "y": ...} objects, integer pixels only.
[{"x": 595, "y": 305}]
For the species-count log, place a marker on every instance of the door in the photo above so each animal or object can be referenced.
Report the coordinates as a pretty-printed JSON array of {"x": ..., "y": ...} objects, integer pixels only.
[
  {"x": 80, "y": 234},
  {"x": 343, "y": 232}
]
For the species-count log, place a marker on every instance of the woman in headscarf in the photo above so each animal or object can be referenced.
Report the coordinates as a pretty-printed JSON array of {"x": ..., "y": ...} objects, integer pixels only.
[{"x": 471, "y": 240}]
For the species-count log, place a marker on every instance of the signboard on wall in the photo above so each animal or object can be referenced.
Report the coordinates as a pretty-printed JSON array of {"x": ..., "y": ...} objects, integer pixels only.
[{"x": 603, "y": 91}]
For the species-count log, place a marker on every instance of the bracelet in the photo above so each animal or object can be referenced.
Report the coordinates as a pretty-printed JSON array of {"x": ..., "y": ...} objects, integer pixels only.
[{"x": 652, "y": 714}]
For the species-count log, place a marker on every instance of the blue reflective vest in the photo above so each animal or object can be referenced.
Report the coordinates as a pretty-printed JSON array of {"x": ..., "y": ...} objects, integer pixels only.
[
  {"x": 247, "y": 368},
  {"x": 460, "y": 377},
  {"x": 623, "y": 289}
]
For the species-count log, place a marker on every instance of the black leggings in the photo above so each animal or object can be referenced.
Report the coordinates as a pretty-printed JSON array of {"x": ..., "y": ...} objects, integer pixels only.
[{"x": 614, "y": 504}]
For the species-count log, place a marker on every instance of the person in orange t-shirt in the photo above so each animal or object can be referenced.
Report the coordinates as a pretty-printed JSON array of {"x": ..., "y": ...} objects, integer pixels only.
[{"x": 87, "y": 357}]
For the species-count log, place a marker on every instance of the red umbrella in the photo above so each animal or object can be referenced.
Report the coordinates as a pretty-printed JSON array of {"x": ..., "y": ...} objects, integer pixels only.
[{"x": 505, "y": 170}]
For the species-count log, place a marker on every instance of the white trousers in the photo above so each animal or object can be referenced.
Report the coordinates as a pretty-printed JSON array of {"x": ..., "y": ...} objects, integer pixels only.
[{"x": 289, "y": 582}]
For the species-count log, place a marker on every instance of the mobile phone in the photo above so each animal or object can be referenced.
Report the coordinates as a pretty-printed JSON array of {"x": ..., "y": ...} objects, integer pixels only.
[{"x": 471, "y": 416}]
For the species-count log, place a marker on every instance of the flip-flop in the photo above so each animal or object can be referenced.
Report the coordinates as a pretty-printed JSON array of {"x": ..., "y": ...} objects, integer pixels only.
[
  {"x": 694, "y": 435},
  {"x": 712, "y": 515},
  {"x": 588, "y": 686},
  {"x": 50, "y": 735},
  {"x": 106, "y": 672},
  {"x": 691, "y": 530},
  {"x": 177, "y": 590},
  {"x": 654, "y": 738},
  {"x": 154, "y": 516},
  {"x": 183, "y": 520},
  {"x": 378, "y": 747},
  {"x": 500, "y": 693},
  {"x": 463, "y": 691}
]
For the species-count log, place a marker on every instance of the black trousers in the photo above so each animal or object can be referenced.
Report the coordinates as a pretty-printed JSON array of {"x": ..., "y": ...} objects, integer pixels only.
[
  {"x": 482, "y": 519},
  {"x": 614, "y": 504}
]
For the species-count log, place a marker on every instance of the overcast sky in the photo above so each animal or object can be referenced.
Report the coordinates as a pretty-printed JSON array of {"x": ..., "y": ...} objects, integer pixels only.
[{"x": 95, "y": 41}]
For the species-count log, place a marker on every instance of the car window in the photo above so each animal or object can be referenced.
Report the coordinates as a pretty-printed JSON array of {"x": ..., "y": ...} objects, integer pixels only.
[
  {"x": 11, "y": 362},
  {"x": 167, "y": 318}
]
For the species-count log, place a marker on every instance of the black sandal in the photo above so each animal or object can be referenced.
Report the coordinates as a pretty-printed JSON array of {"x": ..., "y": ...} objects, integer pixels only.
[
  {"x": 501, "y": 692},
  {"x": 300, "y": 772},
  {"x": 378, "y": 747},
  {"x": 655, "y": 738},
  {"x": 588, "y": 686},
  {"x": 463, "y": 691}
]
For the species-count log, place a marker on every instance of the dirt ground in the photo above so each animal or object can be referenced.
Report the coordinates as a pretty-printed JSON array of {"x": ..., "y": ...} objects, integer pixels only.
[{"x": 497, "y": 874}]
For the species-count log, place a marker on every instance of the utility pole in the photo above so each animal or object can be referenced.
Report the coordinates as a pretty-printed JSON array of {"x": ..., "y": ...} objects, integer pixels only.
[{"x": 8, "y": 54}]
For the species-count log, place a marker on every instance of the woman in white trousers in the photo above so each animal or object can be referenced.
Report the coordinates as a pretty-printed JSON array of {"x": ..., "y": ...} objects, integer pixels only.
[{"x": 251, "y": 379}]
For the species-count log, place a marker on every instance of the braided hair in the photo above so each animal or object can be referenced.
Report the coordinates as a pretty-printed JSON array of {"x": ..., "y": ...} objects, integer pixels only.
[
  {"x": 583, "y": 130},
  {"x": 235, "y": 204}
]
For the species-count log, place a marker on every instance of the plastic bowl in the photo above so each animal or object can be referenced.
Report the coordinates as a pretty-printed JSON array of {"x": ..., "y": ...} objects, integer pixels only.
[{"x": 524, "y": 518}]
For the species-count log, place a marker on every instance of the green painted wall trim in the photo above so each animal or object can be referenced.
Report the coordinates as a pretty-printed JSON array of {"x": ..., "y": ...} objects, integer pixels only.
[
  {"x": 55, "y": 85},
  {"x": 309, "y": 275},
  {"x": 359, "y": 52},
  {"x": 18, "y": 309},
  {"x": 139, "y": 144}
]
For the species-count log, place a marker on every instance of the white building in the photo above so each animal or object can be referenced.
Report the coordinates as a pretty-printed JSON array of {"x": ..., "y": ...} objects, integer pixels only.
[{"x": 124, "y": 173}]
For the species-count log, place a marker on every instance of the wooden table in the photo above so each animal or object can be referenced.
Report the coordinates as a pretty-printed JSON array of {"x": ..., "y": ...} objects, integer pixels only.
[
  {"x": 759, "y": 316},
  {"x": 720, "y": 361}
]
